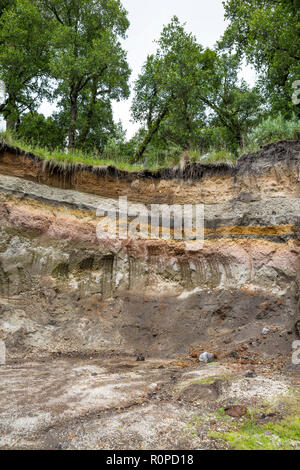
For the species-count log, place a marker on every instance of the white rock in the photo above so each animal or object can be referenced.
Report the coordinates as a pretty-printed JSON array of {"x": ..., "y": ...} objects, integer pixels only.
[
  {"x": 119, "y": 278},
  {"x": 207, "y": 357},
  {"x": 2, "y": 353},
  {"x": 265, "y": 331},
  {"x": 187, "y": 294}
]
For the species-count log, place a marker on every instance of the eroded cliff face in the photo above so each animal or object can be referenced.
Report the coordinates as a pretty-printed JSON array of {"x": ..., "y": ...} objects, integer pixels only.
[{"x": 64, "y": 291}]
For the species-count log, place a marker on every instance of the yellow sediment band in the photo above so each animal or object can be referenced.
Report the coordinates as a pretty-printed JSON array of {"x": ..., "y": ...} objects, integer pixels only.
[{"x": 144, "y": 229}]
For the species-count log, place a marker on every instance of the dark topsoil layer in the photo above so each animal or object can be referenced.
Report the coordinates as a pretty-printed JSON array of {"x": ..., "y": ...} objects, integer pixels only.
[{"x": 286, "y": 152}]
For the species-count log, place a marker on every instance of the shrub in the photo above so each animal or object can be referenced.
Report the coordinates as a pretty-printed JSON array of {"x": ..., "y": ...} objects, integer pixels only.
[
  {"x": 35, "y": 129},
  {"x": 162, "y": 157},
  {"x": 273, "y": 129},
  {"x": 219, "y": 156}
]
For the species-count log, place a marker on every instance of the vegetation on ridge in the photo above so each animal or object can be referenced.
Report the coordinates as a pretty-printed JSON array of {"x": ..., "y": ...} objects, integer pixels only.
[{"x": 189, "y": 100}]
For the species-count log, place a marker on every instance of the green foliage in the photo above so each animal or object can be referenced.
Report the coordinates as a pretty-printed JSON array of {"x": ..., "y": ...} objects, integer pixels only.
[
  {"x": 65, "y": 158},
  {"x": 181, "y": 83},
  {"x": 112, "y": 150},
  {"x": 213, "y": 136},
  {"x": 281, "y": 435},
  {"x": 272, "y": 129},
  {"x": 5, "y": 5},
  {"x": 24, "y": 57},
  {"x": 162, "y": 157},
  {"x": 188, "y": 100},
  {"x": 220, "y": 156},
  {"x": 74, "y": 46},
  {"x": 268, "y": 34},
  {"x": 165, "y": 93},
  {"x": 234, "y": 107},
  {"x": 87, "y": 61},
  {"x": 45, "y": 132}
]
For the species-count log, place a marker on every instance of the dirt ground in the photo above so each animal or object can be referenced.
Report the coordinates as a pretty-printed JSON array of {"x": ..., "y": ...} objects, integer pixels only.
[{"x": 119, "y": 403}]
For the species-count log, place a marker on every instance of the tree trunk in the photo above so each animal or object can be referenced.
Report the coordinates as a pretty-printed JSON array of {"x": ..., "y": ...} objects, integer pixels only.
[
  {"x": 237, "y": 135},
  {"x": 10, "y": 112},
  {"x": 90, "y": 113},
  {"x": 10, "y": 124},
  {"x": 151, "y": 132},
  {"x": 73, "y": 99}
]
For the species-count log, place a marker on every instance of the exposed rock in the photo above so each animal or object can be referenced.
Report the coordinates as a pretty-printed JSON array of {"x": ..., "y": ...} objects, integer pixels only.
[
  {"x": 297, "y": 328},
  {"x": 140, "y": 358},
  {"x": 236, "y": 411},
  {"x": 195, "y": 353},
  {"x": 2, "y": 353},
  {"x": 94, "y": 305},
  {"x": 202, "y": 392},
  {"x": 225, "y": 182},
  {"x": 207, "y": 357},
  {"x": 233, "y": 354},
  {"x": 250, "y": 374},
  {"x": 80, "y": 295}
]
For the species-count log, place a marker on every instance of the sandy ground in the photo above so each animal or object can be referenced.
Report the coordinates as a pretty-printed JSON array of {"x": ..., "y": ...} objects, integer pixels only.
[{"x": 118, "y": 403}]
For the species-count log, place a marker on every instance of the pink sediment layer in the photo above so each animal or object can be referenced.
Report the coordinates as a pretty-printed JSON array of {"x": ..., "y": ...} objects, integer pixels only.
[{"x": 284, "y": 257}]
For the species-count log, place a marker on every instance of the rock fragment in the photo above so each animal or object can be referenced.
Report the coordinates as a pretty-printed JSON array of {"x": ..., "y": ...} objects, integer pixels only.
[
  {"x": 250, "y": 374},
  {"x": 140, "y": 358},
  {"x": 236, "y": 411},
  {"x": 207, "y": 357},
  {"x": 2, "y": 353}
]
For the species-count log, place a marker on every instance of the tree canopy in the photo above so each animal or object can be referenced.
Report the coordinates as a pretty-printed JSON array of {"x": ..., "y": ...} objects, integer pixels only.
[
  {"x": 186, "y": 98},
  {"x": 72, "y": 47},
  {"x": 267, "y": 33},
  {"x": 183, "y": 82},
  {"x": 86, "y": 57},
  {"x": 24, "y": 57}
]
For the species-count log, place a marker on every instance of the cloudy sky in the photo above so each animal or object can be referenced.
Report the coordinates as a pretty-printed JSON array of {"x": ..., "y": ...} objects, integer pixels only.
[{"x": 204, "y": 18}]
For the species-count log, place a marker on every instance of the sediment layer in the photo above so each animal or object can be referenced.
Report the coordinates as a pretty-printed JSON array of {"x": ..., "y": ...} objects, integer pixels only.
[
  {"x": 63, "y": 290},
  {"x": 272, "y": 172}
]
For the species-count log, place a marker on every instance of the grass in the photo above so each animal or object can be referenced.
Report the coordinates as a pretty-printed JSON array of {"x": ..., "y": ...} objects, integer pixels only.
[
  {"x": 210, "y": 380},
  {"x": 64, "y": 158},
  {"x": 272, "y": 130},
  {"x": 282, "y": 435},
  {"x": 269, "y": 130},
  {"x": 220, "y": 156}
]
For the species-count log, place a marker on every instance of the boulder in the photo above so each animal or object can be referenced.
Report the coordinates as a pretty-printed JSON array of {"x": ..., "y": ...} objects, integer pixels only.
[{"x": 207, "y": 357}]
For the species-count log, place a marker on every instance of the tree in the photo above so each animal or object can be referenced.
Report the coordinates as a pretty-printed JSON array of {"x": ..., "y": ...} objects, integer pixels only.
[
  {"x": 151, "y": 102},
  {"x": 181, "y": 83},
  {"x": 35, "y": 129},
  {"x": 232, "y": 104},
  {"x": 267, "y": 33},
  {"x": 87, "y": 59},
  {"x": 24, "y": 54},
  {"x": 166, "y": 86},
  {"x": 95, "y": 123}
]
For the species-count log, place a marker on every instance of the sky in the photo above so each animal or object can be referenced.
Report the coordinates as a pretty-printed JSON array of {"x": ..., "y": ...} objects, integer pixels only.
[{"x": 204, "y": 18}]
